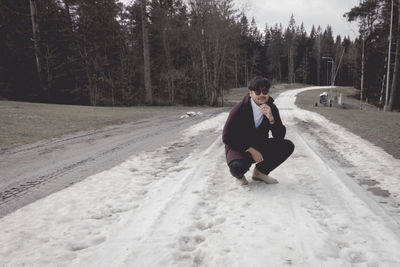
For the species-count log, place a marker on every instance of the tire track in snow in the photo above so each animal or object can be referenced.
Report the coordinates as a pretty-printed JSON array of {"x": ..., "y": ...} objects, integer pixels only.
[
  {"x": 171, "y": 215},
  {"x": 165, "y": 197},
  {"x": 357, "y": 162},
  {"x": 340, "y": 208},
  {"x": 338, "y": 229}
]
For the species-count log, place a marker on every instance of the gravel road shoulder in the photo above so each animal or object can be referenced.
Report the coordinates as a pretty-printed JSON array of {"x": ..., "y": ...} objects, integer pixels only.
[{"x": 378, "y": 127}]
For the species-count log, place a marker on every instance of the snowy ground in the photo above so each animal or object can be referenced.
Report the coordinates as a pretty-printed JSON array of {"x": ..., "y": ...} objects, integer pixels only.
[{"x": 179, "y": 206}]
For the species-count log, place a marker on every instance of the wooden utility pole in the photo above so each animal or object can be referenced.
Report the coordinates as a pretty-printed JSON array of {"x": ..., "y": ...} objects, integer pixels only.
[{"x": 146, "y": 56}]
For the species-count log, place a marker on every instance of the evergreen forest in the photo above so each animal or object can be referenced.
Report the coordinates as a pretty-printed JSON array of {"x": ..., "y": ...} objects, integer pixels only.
[{"x": 167, "y": 52}]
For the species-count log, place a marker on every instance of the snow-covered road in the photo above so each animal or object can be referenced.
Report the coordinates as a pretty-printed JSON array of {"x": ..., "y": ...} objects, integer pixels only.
[{"x": 337, "y": 204}]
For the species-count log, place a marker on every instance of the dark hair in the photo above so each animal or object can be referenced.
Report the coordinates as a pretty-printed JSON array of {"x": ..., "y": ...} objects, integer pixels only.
[{"x": 259, "y": 82}]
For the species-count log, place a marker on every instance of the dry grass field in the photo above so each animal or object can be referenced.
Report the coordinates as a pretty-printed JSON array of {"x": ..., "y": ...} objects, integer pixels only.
[{"x": 22, "y": 122}]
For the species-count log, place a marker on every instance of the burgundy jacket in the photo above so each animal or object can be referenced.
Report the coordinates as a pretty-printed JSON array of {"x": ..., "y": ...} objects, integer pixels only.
[{"x": 240, "y": 132}]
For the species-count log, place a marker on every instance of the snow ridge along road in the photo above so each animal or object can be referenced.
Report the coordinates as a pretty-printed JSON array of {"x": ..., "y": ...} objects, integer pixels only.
[{"x": 177, "y": 205}]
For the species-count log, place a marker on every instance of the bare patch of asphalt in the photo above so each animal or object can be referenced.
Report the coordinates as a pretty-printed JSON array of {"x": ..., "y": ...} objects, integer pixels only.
[{"x": 33, "y": 171}]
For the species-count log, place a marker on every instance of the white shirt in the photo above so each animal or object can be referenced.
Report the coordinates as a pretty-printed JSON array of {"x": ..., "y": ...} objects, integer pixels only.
[{"x": 257, "y": 114}]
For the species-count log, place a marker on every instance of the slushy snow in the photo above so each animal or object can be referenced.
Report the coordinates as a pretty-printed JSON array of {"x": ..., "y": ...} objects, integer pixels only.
[{"x": 162, "y": 208}]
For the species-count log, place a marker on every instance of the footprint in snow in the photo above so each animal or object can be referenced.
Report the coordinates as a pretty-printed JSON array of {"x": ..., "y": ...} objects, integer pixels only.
[{"x": 189, "y": 243}]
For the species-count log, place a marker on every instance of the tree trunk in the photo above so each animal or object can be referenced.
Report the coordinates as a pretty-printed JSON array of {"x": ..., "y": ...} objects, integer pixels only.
[
  {"x": 291, "y": 64},
  {"x": 393, "y": 102},
  {"x": 217, "y": 59},
  {"x": 362, "y": 72},
  {"x": 170, "y": 68},
  {"x": 382, "y": 90},
  {"x": 280, "y": 71},
  {"x": 67, "y": 9},
  {"x": 319, "y": 60},
  {"x": 49, "y": 76},
  {"x": 204, "y": 68},
  {"x": 393, "y": 93},
  {"x": 236, "y": 71},
  {"x": 36, "y": 39},
  {"x": 146, "y": 55},
  {"x": 304, "y": 70},
  {"x": 112, "y": 89},
  {"x": 90, "y": 83},
  {"x": 246, "y": 76}
]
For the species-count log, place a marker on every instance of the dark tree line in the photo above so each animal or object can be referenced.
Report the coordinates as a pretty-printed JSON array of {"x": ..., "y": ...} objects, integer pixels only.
[
  {"x": 374, "y": 20},
  {"x": 100, "y": 52}
]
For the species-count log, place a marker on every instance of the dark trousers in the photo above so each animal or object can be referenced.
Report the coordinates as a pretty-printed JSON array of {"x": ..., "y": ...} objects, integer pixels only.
[{"x": 274, "y": 152}]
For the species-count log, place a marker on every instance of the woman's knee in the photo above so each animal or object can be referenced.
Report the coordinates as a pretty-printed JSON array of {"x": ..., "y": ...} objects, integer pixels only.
[{"x": 238, "y": 168}]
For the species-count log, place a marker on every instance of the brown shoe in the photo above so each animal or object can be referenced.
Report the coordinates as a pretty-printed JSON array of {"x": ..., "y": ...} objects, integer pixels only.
[
  {"x": 261, "y": 177},
  {"x": 242, "y": 181}
]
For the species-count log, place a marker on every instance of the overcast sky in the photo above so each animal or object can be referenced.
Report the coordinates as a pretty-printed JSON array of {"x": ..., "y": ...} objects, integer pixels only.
[{"x": 317, "y": 12}]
